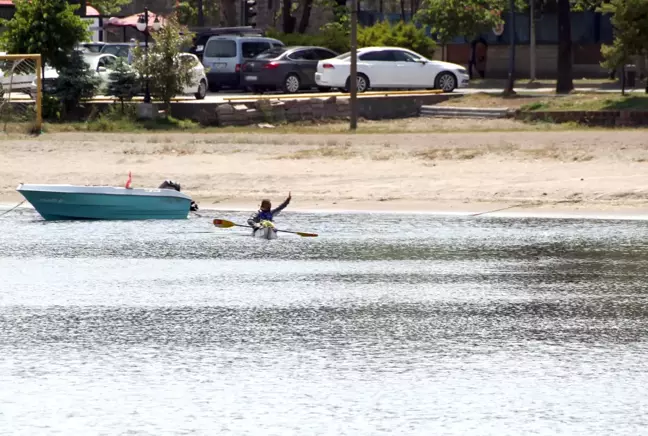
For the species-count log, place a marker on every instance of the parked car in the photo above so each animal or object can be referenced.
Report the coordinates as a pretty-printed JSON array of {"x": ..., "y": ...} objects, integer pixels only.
[
  {"x": 201, "y": 36},
  {"x": 288, "y": 69},
  {"x": 122, "y": 49},
  {"x": 224, "y": 55},
  {"x": 99, "y": 63},
  {"x": 91, "y": 47},
  {"x": 199, "y": 84},
  {"x": 391, "y": 67}
]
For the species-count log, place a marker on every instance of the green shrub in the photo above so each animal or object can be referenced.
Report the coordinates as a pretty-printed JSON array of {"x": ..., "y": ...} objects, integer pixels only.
[
  {"x": 335, "y": 36},
  {"x": 51, "y": 107},
  {"x": 405, "y": 35},
  {"x": 75, "y": 82},
  {"x": 330, "y": 36},
  {"x": 122, "y": 81}
]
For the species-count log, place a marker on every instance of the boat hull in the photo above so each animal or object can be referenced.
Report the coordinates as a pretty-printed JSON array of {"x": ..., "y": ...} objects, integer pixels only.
[
  {"x": 69, "y": 202},
  {"x": 265, "y": 233}
]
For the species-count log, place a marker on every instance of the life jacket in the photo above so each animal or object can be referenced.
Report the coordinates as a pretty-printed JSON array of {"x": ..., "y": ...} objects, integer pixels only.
[{"x": 265, "y": 215}]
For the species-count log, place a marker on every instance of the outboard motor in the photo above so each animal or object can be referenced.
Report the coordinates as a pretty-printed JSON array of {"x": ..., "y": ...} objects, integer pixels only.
[{"x": 170, "y": 184}]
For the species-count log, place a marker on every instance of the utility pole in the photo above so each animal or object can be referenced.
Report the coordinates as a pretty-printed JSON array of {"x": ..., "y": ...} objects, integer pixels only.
[
  {"x": 511, "y": 71},
  {"x": 201, "y": 15},
  {"x": 353, "y": 85}
]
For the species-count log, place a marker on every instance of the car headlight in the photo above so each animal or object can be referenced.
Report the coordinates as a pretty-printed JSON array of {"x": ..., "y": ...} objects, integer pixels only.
[{"x": 462, "y": 71}]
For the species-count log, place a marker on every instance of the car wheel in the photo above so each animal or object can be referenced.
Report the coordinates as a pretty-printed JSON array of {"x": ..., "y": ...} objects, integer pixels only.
[
  {"x": 291, "y": 84},
  {"x": 362, "y": 83},
  {"x": 202, "y": 90},
  {"x": 324, "y": 89},
  {"x": 447, "y": 82}
]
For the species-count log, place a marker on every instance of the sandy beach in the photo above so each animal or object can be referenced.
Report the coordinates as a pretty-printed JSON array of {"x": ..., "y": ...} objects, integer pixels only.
[{"x": 452, "y": 171}]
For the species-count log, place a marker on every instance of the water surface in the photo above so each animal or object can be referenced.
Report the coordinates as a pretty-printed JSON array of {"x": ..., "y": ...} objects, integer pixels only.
[{"x": 385, "y": 324}]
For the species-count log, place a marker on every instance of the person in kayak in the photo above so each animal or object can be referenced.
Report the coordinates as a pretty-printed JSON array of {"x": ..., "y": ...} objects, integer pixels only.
[{"x": 266, "y": 212}]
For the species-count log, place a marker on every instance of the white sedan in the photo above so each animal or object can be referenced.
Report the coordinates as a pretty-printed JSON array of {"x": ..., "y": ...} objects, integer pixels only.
[
  {"x": 391, "y": 67},
  {"x": 100, "y": 64},
  {"x": 103, "y": 63}
]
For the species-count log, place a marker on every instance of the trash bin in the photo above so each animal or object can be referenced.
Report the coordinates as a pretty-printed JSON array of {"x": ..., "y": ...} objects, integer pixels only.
[{"x": 631, "y": 75}]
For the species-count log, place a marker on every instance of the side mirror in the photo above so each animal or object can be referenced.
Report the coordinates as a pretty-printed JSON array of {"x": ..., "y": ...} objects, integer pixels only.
[{"x": 423, "y": 61}]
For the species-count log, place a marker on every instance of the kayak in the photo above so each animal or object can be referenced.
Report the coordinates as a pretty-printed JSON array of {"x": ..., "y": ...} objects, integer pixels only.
[{"x": 267, "y": 231}]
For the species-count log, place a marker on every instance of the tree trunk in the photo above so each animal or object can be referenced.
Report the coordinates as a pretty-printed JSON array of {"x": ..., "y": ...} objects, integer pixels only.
[
  {"x": 402, "y": 7},
  {"x": 288, "y": 19},
  {"x": 414, "y": 6},
  {"x": 228, "y": 13},
  {"x": 306, "y": 12},
  {"x": 532, "y": 42},
  {"x": 564, "y": 84}
]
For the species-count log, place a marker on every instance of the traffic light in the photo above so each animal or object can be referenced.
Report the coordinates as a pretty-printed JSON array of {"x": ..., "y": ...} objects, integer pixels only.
[{"x": 250, "y": 12}]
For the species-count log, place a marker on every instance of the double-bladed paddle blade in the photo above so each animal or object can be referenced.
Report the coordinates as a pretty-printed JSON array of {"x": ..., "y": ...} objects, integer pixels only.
[
  {"x": 305, "y": 235},
  {"x": 225, "y": 224}
]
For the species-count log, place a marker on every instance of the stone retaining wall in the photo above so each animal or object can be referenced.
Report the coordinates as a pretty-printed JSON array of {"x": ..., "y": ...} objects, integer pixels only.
[
  {"x": 609, "y": 118},
  {"x": 313, "y": 109}
]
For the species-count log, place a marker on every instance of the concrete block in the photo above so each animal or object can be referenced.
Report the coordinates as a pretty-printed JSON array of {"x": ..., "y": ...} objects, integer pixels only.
[
  {"x": 146, "y": 111},
  {"x": 225, "y": 109}
]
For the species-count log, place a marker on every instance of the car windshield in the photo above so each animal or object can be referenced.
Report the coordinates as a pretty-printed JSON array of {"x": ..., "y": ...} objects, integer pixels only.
[{"x": 272, "y": 53}]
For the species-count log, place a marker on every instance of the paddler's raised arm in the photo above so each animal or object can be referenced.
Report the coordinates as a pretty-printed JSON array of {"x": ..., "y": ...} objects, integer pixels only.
[{"x": 283, "y": 205}]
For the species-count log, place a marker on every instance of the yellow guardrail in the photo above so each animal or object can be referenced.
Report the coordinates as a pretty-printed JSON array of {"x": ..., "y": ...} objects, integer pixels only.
[{"x": 248, "y": 98}]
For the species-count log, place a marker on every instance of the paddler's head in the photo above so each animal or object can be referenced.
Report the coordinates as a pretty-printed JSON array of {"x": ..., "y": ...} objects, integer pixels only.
[{"x": 266, "y": 205}]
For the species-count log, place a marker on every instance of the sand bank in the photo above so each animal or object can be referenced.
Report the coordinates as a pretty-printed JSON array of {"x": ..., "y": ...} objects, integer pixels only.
[{"x": 604, "y": 171}]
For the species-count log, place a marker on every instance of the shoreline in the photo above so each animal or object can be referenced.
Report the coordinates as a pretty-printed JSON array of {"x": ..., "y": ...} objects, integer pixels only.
[{"x": 473, "y": 210}]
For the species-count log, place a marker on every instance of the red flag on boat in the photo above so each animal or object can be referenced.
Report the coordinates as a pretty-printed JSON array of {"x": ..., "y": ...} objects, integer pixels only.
[{"x": 128, "y": 182}]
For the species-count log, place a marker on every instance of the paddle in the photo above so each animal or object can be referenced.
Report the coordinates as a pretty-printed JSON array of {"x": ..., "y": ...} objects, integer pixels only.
[{"x": 224, "y": 224}]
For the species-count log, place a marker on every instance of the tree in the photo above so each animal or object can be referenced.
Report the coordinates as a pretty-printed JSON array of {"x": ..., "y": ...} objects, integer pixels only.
[
  {"x": 110, "y": 7},
  {"x": 188, "y": 13},
  {"x": 630, "y": 21},
  {"x": 564, "y": 84},
  {"x": 46, "y": 27},
  {"x": 168, "y": 72},
  {"x": 405, "y": 35},
  {"x": 75, "y": 82},
  {"x": 468, "y": 18},
  {"x": 122, "y": 81}
]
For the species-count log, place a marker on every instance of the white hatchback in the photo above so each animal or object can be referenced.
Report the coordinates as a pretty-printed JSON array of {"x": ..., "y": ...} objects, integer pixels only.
[
  {"x": 391, "y": 67},
  {"x": 199, "y": 85}
]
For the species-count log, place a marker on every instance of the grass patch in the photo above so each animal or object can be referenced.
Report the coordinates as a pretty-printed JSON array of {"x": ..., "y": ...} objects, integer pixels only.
[
  {"x": 590, "y": 102},
  {"x": 116, "y": 120},
  {"x": 450, "y": 153},
  {"x": 552, "y": 102},
  {"x": 486, "y": 100},
  {"x": 543, "y": 83},
  {"x": 508, "y": 150}
]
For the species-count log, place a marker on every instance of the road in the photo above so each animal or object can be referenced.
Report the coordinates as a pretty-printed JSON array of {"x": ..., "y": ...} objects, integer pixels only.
[{"x": 219, "y": 97}]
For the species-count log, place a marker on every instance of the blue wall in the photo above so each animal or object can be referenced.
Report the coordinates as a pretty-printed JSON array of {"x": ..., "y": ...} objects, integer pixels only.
[{"x": 587, "y": 28}]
